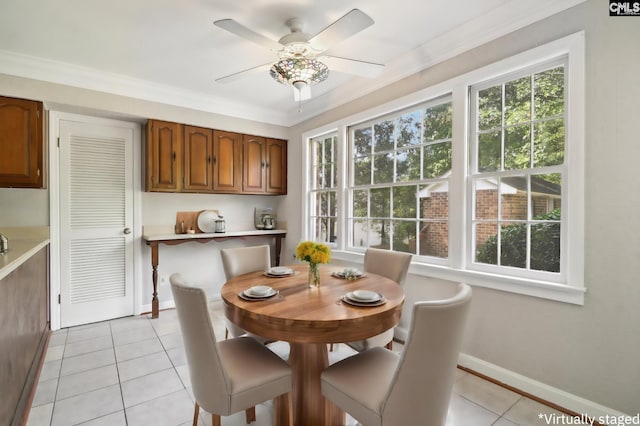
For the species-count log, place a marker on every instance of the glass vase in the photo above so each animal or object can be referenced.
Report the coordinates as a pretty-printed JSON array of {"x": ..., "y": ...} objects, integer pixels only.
[{"x": 314, "y": 275}]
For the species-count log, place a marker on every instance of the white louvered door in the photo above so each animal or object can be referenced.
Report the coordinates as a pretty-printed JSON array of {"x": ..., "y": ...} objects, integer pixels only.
[{"x": 96, "y": 214}]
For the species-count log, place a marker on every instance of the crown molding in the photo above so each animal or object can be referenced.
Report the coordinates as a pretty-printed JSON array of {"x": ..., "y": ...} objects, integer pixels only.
[{"x": 57, "y": 72}]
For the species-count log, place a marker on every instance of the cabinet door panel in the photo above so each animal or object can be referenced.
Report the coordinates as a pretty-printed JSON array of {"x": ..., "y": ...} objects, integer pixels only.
[
  {"x": 227, "y": 165},
  {"x": 253, "y": 153},
  {"x": 197, "y": 159},
  {"x": 21, "y": 143},
  {"x": 276, "y": 168},
  {"x": 164, "y": 149}
]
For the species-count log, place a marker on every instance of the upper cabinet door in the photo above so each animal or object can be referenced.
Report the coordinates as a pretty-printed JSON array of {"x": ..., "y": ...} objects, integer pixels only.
[
  {"x": 276, "y": 167},
  {"x": 21, "y": 144},
  {"x": 227, "y": 162},
  {"x": 254, "y": 163},
  {"x": 198, "y": 158},
  {"x": 164, "y": 156}
]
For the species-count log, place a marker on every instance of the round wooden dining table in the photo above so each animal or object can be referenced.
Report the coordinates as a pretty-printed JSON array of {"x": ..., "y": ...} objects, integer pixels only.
[{"x": 310, "y": 318}]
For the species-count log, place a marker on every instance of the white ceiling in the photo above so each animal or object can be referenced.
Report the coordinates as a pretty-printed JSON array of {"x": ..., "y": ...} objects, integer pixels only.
[{"x": 169, "y": 51}]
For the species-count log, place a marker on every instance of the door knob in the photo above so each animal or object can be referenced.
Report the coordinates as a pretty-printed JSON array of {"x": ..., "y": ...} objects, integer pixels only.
[{"x": 127, "y": 230}]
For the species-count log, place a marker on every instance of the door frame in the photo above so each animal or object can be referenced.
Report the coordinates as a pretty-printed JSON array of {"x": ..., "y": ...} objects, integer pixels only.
[{"x": 54, "y": 118}]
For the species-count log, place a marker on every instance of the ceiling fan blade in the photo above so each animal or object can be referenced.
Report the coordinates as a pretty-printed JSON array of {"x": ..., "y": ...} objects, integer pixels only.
[
  {"x": 351, "y": 23},
  {"x": 241, "y": 74},
  {"x": 352, "y": 66},
  {"x": 244, "y": 32}
]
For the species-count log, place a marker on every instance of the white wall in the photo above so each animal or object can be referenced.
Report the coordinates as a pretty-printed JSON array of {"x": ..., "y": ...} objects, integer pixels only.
[
  {"x": 589, "y": 351},
  {"x": 24, "y": 207},
  {"x": 199, "y": 263}
]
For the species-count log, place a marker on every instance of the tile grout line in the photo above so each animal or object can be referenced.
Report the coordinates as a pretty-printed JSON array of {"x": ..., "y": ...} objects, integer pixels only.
[
  {"x": 115, "y": 358},
  {"x": 520, "y": 398},
  {"x": 55, "y": 394}
]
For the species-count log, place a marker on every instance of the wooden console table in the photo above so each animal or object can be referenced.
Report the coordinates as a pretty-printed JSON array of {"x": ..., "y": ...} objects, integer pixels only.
[{"x": 153, "y": 240}]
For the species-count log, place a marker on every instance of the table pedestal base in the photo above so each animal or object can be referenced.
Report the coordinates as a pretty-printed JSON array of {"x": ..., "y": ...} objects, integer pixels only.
[{"x": 310, "y": 408}]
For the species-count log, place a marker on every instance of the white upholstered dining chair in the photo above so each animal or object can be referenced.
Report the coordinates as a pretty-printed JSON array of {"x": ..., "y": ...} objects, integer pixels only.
[
  {"x": 232, "y": 375},
  {"x": 238, "y": 261},
  {"x": 381, "y": 388},
  {"x": 390, "y": 264}
]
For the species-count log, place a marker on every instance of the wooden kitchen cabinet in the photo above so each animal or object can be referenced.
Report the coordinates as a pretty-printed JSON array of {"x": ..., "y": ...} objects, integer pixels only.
[
  {"x": 21, "y": 143},
  {"x": 253, "y": 156},
  {"x": 24, "y": 315},
  {"x": 164, "y": 156},
  {"x": 264, "y": 165},
  {"x": 198, "y": 159},
  {"x": 227, "y": 162},
  {"x": 183, "y": 158},
  {"x": 276, "y": 167}
]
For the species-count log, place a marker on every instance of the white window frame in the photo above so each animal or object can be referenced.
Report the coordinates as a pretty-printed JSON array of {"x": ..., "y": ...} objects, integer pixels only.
[
  {"x": 312, "y": 191},
  {"x": 351, "y": 186},
  {"x": 571, "y": 289},
  {"x": 561, "y": 169}
]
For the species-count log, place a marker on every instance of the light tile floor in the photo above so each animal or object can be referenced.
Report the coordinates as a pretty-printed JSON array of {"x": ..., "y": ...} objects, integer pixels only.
[{"x": 132, "y": 371}]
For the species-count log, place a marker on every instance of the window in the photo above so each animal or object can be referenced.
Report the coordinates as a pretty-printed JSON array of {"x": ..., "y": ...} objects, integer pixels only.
[
  {"x": 322, "y": 197},
  {"x": 482, "y": 179},
  {"x": 517, "y": 171},
  {"x": 401, "y": 165}
]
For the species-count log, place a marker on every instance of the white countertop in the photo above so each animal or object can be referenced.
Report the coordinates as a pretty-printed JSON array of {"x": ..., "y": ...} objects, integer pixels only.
[
  {"x": 156, "y": 233},
  {"x": 23, "y": 243}
]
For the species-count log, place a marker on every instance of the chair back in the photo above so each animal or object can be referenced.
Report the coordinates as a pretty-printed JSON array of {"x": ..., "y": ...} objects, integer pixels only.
[
  {"x": 390, "y": 264},
  {"x": 208, "y": 377},
  {"x": 421, "y": 387},
  {"x": 242, "y": 260}
]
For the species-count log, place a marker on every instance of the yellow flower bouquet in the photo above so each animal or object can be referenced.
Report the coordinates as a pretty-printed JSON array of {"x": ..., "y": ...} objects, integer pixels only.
[{"x": 314, "y": 254}]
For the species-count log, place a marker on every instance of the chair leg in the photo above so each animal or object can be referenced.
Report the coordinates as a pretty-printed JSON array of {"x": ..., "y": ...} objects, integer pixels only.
[
  {"x": 283, "y": 410},
  {"x": 215, "y": 420},
  {"x": 250, "y": 414},
  {"x": 226, "y": 333},
  {"x": 195, "y": 414},
  {"x": 330, "y": 347},
  {"x": 389, "y": 345}
]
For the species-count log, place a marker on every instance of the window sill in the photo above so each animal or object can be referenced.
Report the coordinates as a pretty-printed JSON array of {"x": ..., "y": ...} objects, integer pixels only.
[{"x": 540, "y": 289}]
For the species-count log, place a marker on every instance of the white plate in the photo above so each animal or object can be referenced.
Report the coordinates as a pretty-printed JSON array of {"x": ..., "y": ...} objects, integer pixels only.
[
  {"x": 279, "y": 270},
  {"x": 259, "y": 291},
  {"x": 344, "y": 276},
  {"x": 207, "y": 221},
  {"x": 267, "y": 274},
  {"x": 365, "y": 296},
  {"x": 346, "y": 299},
  {"x": 244, "y": 295}
]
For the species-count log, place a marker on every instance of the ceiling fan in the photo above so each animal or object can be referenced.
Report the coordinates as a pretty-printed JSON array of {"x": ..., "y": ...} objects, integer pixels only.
[{"x": 301, "y": 59}]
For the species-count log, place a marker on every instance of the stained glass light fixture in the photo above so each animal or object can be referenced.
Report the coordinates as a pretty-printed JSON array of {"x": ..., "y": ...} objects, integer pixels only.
[{"x": 300, "y": 73}]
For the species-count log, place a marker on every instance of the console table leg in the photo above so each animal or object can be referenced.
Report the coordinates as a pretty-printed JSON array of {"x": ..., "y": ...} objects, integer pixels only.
[
  {"x": 278, "y": 248},
  {"x": 155, "y": 306}
]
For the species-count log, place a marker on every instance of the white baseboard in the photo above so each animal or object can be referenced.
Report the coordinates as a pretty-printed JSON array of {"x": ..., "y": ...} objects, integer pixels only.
[
  {"x": 538, "y": 389},
  {"x": 167, "y": 304}
]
